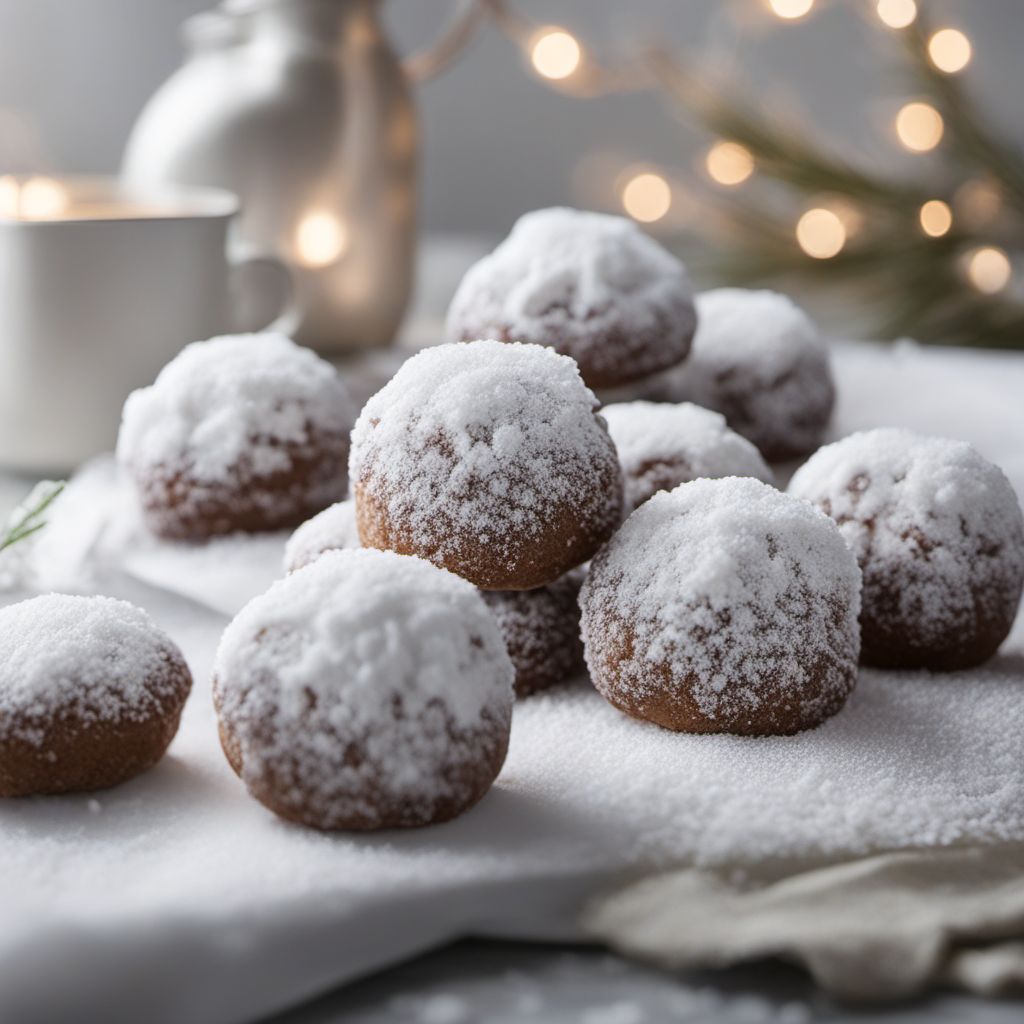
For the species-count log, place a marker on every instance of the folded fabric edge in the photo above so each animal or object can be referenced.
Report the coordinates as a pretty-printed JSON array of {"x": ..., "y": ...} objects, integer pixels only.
[{"x": 882, "y": 927}]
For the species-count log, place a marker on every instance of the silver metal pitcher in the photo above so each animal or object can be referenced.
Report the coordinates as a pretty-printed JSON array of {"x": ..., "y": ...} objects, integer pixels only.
[{"x": 301, "y": 108}]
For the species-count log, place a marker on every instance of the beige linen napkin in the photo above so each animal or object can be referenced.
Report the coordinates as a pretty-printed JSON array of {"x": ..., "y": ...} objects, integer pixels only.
[{"x": 881, "y": 927}]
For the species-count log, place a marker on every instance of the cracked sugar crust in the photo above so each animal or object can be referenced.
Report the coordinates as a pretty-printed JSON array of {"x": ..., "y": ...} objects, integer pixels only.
[
  {"x": 245, "y": 432},
  {"x": 91, "y": 690},
  {"x": 661, "y": 446},
  {"x": 487, "y": 459},
  {"x": 759, "y": 360},
  {"x": 367, "y": 690},
  {"x": 593, "y": 286},
  {"x": 724, "y": 606},
  {"x": 939, "y": 535}
]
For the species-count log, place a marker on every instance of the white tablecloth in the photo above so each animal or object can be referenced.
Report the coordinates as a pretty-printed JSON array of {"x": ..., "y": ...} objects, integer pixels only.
[{"x": 176, "y": 897}]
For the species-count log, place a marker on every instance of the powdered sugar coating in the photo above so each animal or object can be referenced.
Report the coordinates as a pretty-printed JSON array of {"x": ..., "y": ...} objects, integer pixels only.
[
  {"x": 724, "y": 606},
  {"x": 593, "y": 286},
  {"x": 366, "y": 690},
  {"x": 83, "y": 660},
  {"x": 541, "y": 629},
  {"x": 227, "y": 415},
  {"x": 939, "y": 535},
  {"x": 333, "y": 529},
  {"x": 759, "y": 359},
  {"x": 488, "y": 459},
  {"x": 661, "y": 446}
]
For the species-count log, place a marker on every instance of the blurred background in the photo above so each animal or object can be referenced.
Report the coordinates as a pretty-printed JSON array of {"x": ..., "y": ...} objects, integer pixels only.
[{"x": 503, "y": 133}]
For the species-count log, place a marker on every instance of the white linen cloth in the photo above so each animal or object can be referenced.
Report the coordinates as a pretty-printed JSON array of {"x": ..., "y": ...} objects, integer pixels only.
[{"x": 176, "y": 897}]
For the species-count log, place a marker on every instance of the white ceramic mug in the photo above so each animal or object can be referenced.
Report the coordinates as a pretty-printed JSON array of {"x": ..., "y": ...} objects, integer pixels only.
[{"x": 100, "y": 285}]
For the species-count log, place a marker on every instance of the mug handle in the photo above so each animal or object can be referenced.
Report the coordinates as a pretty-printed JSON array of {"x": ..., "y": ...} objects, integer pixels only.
[{"x": 263, "y": 296}]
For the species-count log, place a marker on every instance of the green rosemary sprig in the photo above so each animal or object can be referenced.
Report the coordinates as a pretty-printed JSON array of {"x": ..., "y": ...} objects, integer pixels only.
[{"x": 31, "y": 521}]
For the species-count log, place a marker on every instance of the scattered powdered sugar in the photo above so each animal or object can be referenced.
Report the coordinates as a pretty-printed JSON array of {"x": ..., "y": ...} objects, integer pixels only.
[
  {"x": 758, "y": 358},
  {"x": 334, "y": 528},
  {"x": 929, "y": 519},
  {"x": 94, "y": 658},
  {"x": 233, "y": 399},
  {"x": 364, "y": 673},
  {"x": 593, "y": 286},
  {"x": 485, "y": 441},
  {"x": 661, "y": 446},
  {"x": 735, "y": 586}
]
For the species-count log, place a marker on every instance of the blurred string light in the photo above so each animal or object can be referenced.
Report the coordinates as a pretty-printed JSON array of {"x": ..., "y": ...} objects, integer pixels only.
[
  {"x": 949, "y": 50},
  {"x": 988, "y": 269},
  {"x": 647, "y": 197},
  {"x": 729, "y": 163},
  {"x": 555, "y": 54},
  {"x": 936, "y": 218},
  {"x": 919, "y": 127},
  {"x": 821, "y": 233},
  {"x": 838, "y": 201},
  {"x": 896, "y": 13},
  {"x": 790, "y": 10},
  {"x": 321, "y": 239}
]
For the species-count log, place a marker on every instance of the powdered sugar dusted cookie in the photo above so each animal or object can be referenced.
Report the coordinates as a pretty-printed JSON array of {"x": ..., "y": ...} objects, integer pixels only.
[
  {"x": 489, "y": 460},
  {"x": 591, "y": 286},
  {"x": 759, "y": 360},
  {"x": 242, "y": 433},
  {"x": 334, "y": 529},
  {"x": 541, "y": 629},
  {"x": 91, "y": 691},
  {"x": 939, "y": 535},
  {"x": 368, "y": 690},
  {"x": 724, "y": 606},
  {"x": 661, "y": 446}
]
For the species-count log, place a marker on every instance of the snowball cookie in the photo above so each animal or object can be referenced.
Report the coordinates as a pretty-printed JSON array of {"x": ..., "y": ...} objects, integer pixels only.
[
  {"x": 724, "y": 606},
  {"x": 661, "y": 446},
  {"x": 489, "y": 460},
  {"x": 334, "y": 529},
  {"x": 541, "y": 629},
  {"x": 759, "y": 359},
  {"x": 938, "y": 532},
  {"x": 591, "y": 286},
  {"x": 368, "y": 690},
  {"x": 247, "y": 433},
  {"x": 91, "y": 690}
]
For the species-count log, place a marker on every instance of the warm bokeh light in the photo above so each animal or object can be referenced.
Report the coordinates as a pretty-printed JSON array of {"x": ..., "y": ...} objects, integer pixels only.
[
  {"x": 320, "y": 239},
  {"x": 919, "y": 127},
  {"x": 555, "y": 54},
  {"x": 647, "y": 197},
  {"x": 37, "y": 199},
  {"x": 729, "y": 163},
  {"x": 42, "y": 198},
  {"x": 949, "y": 50},
  {"x": 936, "y": 218},
  {"x": 897, "y": 13},
  {"x": 790, "y": 9},
  {"x": 820, "y": 233},
  {"x": 988, "y": 269},
  {"x": 9, "y": 192}
]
